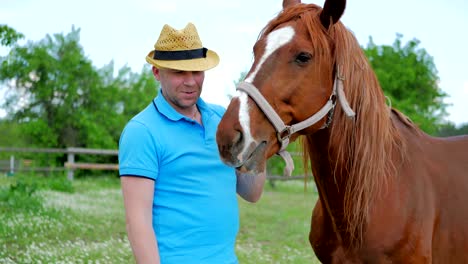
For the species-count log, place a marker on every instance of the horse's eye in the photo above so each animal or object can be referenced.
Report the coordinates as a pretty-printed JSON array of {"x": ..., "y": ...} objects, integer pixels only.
[{"x": 303, "y": 57}]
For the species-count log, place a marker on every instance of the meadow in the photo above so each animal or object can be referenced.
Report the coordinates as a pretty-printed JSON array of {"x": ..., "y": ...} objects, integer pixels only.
[{"x": 53, "y": 220}]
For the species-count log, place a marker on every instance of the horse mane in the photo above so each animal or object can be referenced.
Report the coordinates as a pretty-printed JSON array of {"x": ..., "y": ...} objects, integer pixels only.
[{"x": 363, "y": 148}]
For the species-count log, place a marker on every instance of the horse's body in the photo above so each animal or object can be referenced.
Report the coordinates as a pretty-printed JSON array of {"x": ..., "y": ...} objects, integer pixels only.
[
  {"x": 420, "y": 217},
  {"x": 388, "y": 193}
]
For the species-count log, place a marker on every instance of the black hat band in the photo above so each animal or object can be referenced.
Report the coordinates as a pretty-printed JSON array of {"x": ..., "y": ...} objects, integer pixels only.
[{"x": 180, "y": 54}]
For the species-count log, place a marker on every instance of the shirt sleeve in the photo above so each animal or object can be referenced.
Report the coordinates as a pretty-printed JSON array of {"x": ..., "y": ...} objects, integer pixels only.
[{"x": 137, "y": 152}]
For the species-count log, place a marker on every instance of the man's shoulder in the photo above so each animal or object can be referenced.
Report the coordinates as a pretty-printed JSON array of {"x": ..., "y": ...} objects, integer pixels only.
[
  {"x": 146, "y": 115},
  {"x": 146, "y": 119}
]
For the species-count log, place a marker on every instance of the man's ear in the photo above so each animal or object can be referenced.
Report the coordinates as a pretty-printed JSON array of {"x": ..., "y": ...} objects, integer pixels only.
[{"x": 156, "y": 73}]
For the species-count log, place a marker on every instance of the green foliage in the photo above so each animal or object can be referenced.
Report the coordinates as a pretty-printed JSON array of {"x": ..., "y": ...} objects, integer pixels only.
[
  {"x": 449, "y": 129},
  {"x": 21, "y": 195},
  {"x": 60, "y": 184},
  {"x": 10, "y": 131},
  {"x": 409, "y": 78},
  {"x": 137, "y": 91},
  {"x": 38, "y": 133},
  {"x": 21, "y": 191},
  {"x": 9, "y": 36},
  {"x": 28, "y": 184}
]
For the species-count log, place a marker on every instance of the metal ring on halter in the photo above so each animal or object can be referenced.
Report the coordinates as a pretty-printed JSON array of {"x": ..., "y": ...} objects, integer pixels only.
[{"x": 284, "y": 134}]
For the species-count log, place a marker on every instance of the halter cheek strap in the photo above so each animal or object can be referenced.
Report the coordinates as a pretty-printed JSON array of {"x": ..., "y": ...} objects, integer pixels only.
[{"x": 283, "y": 131}]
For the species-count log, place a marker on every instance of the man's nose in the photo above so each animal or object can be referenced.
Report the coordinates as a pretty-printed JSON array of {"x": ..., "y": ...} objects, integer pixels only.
[{"x": 189, "y": 79}]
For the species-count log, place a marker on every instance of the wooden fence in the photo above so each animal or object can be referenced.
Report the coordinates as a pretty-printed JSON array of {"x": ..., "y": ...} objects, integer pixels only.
[
  {"x": 12, "y": 165},
  {"x": 70, "y": 165}
]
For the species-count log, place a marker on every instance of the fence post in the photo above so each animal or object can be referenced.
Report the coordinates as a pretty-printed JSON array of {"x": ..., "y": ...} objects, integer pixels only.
[
  {"x": 12, "y": 165},
  {"x": 71, "y": 160}
]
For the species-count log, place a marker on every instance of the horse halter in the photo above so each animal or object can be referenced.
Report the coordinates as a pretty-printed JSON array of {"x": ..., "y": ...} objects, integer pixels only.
[{"x": 283, "y": 131}]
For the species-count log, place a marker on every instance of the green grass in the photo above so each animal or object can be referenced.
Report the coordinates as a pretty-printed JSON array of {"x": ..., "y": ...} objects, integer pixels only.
[
  {"x": 276, "y": 228},
  {"x": 50, "y": 220}
]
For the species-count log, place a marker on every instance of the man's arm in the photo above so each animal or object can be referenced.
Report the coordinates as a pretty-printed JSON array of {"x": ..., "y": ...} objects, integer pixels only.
[
  {"x": 138, "y": 201},
  {"x": 250, "y": 187}
]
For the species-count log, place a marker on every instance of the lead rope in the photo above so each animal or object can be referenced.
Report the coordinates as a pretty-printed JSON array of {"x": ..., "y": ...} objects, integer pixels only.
[{"x": 284, "y": 131}]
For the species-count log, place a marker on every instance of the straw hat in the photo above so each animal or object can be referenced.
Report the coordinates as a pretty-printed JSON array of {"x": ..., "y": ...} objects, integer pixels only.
[{"x": 181, "y": 50}]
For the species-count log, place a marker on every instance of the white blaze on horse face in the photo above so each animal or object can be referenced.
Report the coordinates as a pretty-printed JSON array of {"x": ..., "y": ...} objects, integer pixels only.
[
  {"x": 244, "y": 120},
  {"x": 275, "y": 40}
]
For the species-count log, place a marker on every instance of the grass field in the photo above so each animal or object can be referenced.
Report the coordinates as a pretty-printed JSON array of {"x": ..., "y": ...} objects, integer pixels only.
[{"x": 52, "y": 220}]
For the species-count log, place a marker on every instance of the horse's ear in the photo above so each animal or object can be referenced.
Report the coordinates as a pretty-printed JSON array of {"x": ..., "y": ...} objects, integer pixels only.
[
  {"x": 287, "y": 3},
  {"x": 332, "y": 11}
]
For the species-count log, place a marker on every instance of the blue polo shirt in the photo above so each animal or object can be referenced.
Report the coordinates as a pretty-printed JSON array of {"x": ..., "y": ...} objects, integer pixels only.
[{"x": 195, "y": 210}]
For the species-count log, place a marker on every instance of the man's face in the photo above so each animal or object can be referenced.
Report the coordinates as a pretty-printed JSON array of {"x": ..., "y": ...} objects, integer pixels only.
[{"x": 181, "y": 88}]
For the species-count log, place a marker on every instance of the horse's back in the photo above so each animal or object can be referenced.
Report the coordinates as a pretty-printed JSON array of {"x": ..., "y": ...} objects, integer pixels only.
[
  {"x": 446, "y": 163},
  {"x": 456, "y": 148}
]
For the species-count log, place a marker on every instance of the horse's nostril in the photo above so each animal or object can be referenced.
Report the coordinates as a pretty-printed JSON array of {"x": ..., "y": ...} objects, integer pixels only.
[{"x": 237, "y": 137}]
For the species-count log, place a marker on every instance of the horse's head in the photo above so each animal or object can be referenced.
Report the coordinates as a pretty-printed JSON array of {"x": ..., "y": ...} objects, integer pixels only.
[{"x": 293, "y": 70}]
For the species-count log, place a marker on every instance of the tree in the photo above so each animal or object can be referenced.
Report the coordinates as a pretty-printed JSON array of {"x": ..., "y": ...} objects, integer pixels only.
[
  {"x": 8, "y": 130},
  {"x": 409, "y": 78},
  {"x": 132, "y": 92},
  {"x": 137, "y": 91},
  {"x": 59, "y": 99},
  {"x": 48, "y": 83}
]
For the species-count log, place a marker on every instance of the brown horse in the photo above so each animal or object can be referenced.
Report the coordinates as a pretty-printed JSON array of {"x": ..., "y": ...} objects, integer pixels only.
[{"x": 388, "y": 192}]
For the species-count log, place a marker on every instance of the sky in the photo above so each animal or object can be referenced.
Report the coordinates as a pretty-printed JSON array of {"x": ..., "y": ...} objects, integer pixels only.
[{"x": 125, "y": 31}]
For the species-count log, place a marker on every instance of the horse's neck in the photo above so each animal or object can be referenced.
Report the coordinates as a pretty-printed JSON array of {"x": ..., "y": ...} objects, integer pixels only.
[{"x": 330, "y": 182}]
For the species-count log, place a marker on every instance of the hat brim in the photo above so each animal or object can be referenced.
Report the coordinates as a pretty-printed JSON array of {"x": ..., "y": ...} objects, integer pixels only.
[{"x": 202, "y": 64}]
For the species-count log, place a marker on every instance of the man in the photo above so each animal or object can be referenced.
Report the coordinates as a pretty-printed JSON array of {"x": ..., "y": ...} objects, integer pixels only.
[{"x": 180, "y": 199}]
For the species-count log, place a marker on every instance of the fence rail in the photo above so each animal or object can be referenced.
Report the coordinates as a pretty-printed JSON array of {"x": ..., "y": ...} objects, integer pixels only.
[
  {"x": 70, "y": 165},
  {"x": 91, "y": 166}
]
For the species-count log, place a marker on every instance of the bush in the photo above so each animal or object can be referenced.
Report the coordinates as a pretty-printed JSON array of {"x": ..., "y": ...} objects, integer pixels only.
[{"x": 21, "y": 196}]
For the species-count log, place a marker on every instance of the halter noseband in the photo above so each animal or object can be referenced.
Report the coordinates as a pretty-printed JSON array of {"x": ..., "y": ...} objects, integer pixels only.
[{"x": 283, "y": 131}]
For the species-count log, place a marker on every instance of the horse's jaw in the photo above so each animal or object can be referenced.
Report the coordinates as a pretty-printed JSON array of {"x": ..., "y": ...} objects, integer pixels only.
[
  {"x": 254, "y": 161},
  {"x": 248, "y": 160}
]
